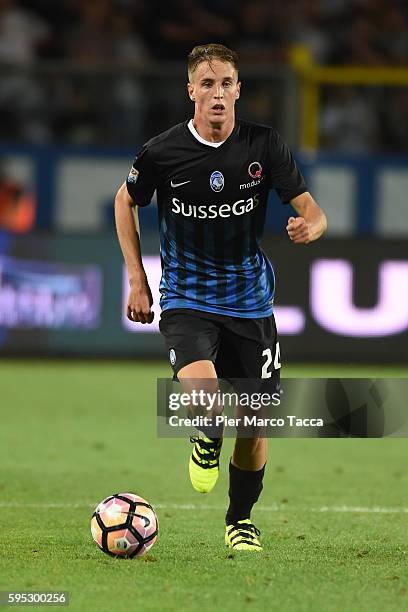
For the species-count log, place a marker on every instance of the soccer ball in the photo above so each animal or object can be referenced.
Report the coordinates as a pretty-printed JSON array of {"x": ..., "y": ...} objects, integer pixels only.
[{"x": 124, "y": 525}]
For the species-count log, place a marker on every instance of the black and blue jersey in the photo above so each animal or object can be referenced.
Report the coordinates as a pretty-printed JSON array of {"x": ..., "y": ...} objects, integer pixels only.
[{"x": 211, "y": 209}]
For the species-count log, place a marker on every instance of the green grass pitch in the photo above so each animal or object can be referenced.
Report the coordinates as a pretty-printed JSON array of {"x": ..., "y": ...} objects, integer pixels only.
[{"x": 333, "y": 513}]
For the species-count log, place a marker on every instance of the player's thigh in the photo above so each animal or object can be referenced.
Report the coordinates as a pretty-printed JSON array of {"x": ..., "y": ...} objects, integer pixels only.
[
  {"x": 198, "y": 369},
  {"x": 192, "y": 339},
  {"x": 199, "y": 376}
]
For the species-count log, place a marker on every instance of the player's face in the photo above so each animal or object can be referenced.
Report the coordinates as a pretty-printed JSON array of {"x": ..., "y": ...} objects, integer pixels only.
[{"x": 215, "y": 89}]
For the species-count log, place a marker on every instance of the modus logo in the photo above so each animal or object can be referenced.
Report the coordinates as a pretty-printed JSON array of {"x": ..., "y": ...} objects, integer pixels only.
[{"x": 255, "y": 172}]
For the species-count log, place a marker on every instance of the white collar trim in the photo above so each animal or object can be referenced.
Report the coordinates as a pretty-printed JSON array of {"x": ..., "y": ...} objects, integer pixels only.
[{"x": 200, "y": 139}]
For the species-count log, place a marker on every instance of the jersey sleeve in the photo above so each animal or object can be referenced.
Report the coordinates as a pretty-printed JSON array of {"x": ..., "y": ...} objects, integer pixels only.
[
  {"x": 143, "y": 178},
  {"x": 285, "y": 176}
]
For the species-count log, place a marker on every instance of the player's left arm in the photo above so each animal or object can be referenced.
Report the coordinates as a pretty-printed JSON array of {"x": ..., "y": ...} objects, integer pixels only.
[{"x": 311, "y": 222}]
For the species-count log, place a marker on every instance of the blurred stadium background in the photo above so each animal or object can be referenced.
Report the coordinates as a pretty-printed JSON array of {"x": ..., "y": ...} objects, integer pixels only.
[{"x": 84, "y": 84}]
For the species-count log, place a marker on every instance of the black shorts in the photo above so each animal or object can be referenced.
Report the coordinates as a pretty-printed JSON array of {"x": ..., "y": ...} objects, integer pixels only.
[{"x": 238, "y": 347}]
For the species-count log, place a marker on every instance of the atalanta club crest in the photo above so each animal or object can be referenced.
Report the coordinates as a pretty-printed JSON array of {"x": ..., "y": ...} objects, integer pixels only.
[
  {"x": 255, "y": 170},
  {"x": 217, "y": 181}
]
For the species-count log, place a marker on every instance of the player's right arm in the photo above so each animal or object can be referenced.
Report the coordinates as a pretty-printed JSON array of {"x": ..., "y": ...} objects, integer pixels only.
[{"x": 128, "y": 230}]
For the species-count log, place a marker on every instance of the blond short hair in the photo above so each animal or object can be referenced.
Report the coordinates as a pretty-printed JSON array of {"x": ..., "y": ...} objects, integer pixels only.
[{"x": 207, "y": 53}]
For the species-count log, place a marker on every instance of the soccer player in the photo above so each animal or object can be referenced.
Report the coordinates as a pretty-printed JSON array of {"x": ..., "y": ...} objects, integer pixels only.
[{"x": 212, "y": 175}]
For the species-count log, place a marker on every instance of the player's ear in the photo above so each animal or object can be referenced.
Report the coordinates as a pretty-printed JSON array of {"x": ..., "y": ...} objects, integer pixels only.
[
  {"x": 238, "y": 90},
  {"x": 190, "y": 89}
]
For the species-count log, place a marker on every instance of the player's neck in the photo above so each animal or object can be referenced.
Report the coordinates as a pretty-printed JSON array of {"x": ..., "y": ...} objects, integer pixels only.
[{"x": 213, "y": 132}]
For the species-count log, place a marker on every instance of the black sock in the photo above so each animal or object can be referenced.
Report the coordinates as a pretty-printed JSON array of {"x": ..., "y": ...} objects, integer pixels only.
[{"x": 244, "y": 491}]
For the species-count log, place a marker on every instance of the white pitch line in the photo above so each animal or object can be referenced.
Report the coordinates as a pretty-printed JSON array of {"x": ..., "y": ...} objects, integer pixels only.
[
  {"x": 285, "y": 508},
  {"x": 361, "y": 509}
]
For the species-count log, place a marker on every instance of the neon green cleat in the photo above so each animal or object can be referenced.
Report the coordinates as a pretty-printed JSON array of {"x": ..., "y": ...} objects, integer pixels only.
[
  {"x": 204, "y": 463},
  {"x": 243, "y": 535}
]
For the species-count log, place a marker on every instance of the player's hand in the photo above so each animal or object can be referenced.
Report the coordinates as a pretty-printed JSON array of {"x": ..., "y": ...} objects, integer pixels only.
[
  {"x": 139, "y": 303},
  {"x": 298, "y": 230}
]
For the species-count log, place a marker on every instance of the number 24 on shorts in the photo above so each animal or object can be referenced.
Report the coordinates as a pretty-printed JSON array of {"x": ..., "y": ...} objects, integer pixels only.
[{"x": 266, "y": 373}]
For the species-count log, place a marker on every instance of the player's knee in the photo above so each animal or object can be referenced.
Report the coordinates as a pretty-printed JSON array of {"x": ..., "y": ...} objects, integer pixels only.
[{"x": 252, "y": 446}]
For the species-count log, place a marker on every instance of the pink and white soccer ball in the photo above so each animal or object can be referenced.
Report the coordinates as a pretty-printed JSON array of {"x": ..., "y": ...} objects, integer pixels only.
[{"x": 124, "y": 525}]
